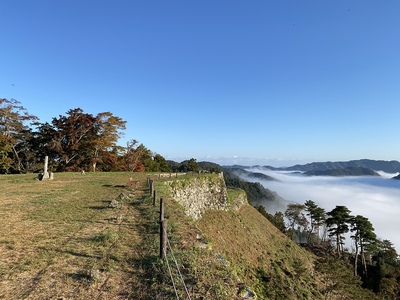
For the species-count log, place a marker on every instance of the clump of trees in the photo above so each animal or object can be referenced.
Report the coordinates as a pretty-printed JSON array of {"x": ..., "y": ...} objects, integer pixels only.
[
  {"x": 374, "y": 261},
  {"x": 190, "y": 165},
  {"x": 73, "y": 142}
]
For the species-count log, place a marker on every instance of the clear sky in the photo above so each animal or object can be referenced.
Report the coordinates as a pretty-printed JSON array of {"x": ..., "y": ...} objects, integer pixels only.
[{"x": 269, "y": 82}]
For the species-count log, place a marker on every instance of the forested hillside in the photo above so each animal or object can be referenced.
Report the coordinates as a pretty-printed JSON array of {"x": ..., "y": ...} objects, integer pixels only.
[
  {"x": 377, "y": 165},
  {"x": 349, "y": 171}
]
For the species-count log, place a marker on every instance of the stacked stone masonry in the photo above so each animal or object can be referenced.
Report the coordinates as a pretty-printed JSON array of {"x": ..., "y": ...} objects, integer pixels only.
[{"x": 199, "y": 194}]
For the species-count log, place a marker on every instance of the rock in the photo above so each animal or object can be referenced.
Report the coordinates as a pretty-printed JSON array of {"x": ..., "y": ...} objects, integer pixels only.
[
  {"x": 115, "y": 204},
  {"x": 246, "y": 293},
  {"x": 122, "y": 196},
  {"x": 221, "y": 259},
  {"x": 94, "y": 274}
]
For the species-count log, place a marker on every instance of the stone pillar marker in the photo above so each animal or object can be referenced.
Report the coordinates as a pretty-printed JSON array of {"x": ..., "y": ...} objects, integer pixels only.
[{"x": 45, "y": 173}]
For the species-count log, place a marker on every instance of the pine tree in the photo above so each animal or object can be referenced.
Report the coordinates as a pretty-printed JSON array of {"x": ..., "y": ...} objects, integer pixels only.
[
  {"x": 317, "y": 217},
  {"x": 338, "y": 222},
  {"x": 363, "y": 236}
]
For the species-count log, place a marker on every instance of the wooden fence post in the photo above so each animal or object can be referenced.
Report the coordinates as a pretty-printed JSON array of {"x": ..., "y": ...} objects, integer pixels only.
[
  {"x": 151, "y": 187},
  {"x": 154, "y": 198},
  {"x": 163, "y": 232},
  {"x": 163, "y": 239},
  {"x": 161, "y": 209}
]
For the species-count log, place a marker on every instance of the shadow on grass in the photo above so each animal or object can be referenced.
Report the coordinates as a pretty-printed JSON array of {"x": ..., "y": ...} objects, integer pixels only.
[
  {"x": 117, "y": 186},
  {"x": 82, "y": 277},
  {"x": 98, "y": 207},
  {"x": 74, "y": 253},
  {"x": 101, "y": 207},
  {"x": 70, "y": 252}
]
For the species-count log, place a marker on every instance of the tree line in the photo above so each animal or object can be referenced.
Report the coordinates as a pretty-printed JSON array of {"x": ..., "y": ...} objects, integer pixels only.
[
  {"x": 73, "y": 142},
  {"x": 375, "y": 261}
]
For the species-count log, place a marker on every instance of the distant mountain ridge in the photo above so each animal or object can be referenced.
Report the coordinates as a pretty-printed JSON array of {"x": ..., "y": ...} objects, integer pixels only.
[
  {"x": 392, "y": 166},
  {"x": 350, "y": 171},
  {"x": 257, "y": 175}
]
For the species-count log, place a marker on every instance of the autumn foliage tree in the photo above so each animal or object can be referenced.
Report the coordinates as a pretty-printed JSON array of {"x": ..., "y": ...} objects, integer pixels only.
[
  {"x": 80, "y": 139},
  {"x": 134, "y": 155},
  {"x": 73, "y": 138},
  {"x": 14, "y": 135},
  {"x": 108, "y": 130}
]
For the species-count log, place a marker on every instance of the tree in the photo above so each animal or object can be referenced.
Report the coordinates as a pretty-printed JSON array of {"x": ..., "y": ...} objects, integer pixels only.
[
  {"x": 385, "y": 272},
  {"x": 317, "y": 217},
  {"x": 5, "y": 149},
  {"x": 294, "y": 214},
  {"x": 14, "y": 134},
  {"x": 189, "y": 166},
  {"x": 74, "y": 138},
  {"x": 276, "y": 219},
  {"x": 279, "y": 221},
  {"x": 113, "y": 160},
  {"x": 192, "y": 165},
  {"x": 41, "y": 143},
  {"x": 136, "y": 155},
  {"x": 338, "y": 221},
  {"x": 107, "y": 132},
  {"x": 363, "y": 236},
  {"x": 160, "y": 164}
]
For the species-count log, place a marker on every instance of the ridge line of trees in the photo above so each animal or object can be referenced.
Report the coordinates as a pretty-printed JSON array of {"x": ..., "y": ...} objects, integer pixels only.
[{"x": 73, "y": 142}]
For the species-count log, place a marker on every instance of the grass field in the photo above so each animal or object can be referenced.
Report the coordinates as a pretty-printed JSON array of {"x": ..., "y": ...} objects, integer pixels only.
[{"x": 60, "y": 240}]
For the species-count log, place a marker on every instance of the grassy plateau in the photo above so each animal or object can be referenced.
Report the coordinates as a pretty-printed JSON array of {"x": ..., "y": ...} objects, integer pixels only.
[{"x": 60, "y": 240}]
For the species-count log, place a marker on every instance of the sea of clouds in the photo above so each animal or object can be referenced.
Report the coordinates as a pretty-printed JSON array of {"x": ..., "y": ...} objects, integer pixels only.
[{"x": 376, "y": 198}]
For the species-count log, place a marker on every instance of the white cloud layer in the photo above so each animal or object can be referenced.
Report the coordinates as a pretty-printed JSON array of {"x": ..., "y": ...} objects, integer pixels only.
[{"x": 376, "y": 198}]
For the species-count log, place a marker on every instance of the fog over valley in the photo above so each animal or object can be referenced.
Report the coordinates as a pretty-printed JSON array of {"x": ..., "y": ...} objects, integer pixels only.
[{"x": 376, "y": 198}]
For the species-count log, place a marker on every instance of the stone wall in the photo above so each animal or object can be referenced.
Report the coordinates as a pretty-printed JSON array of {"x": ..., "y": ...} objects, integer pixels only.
[{"x": 199, "y": 194}]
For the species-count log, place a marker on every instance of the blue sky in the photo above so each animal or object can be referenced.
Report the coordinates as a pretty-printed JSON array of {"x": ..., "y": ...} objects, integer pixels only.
[{"x": 269, "y": 82}]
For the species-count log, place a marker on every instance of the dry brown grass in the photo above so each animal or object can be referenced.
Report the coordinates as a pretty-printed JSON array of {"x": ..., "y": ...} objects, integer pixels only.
[
  {"x": 53, "y": 234},
  {"x": 260, "y": 254}
]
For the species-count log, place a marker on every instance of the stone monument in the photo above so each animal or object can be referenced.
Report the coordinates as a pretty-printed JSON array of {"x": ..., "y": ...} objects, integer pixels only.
[{"x": 45, "y": 172}]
